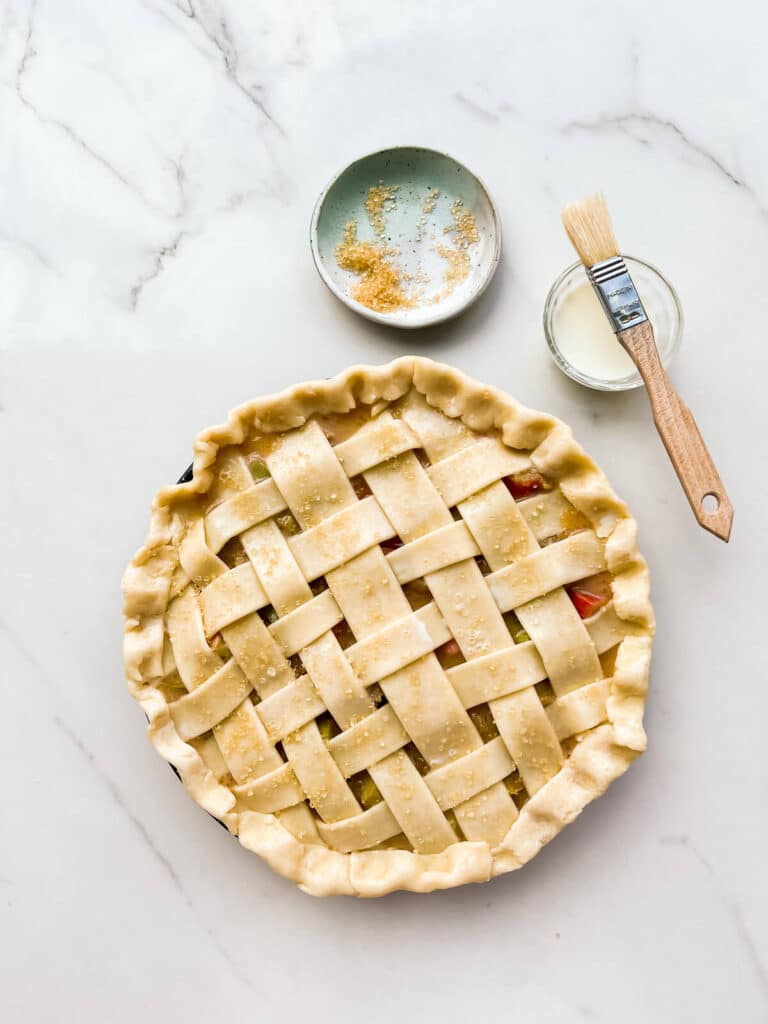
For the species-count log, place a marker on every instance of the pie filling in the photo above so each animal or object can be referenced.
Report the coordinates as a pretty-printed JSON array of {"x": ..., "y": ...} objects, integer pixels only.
[{"x": 389, "y": 631}]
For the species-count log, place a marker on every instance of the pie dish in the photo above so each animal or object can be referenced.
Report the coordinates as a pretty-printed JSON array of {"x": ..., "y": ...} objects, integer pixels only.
[{"x": 395, "y": 631}]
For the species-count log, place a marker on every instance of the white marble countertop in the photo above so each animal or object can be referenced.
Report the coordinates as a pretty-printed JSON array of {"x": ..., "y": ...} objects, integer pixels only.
[{"x": 159, "y": 165}]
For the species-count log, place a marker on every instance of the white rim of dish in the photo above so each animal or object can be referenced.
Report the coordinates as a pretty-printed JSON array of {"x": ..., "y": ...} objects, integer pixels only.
[{"x": 390, "y": 319}]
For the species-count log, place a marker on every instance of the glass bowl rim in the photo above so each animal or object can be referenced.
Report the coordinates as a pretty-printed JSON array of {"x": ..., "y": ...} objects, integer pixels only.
[{"x": 631, "y": 381}]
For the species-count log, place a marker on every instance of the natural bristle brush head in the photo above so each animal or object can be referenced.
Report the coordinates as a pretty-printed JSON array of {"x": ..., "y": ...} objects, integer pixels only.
[{"x": 589, "y": 227}]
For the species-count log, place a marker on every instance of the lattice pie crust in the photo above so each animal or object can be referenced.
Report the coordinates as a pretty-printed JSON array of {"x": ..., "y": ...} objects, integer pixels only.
[{"x": 236, "y": 628}]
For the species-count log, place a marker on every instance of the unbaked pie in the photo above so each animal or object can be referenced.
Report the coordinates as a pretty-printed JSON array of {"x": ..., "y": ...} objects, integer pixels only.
[{"x": 394, "y": 633}]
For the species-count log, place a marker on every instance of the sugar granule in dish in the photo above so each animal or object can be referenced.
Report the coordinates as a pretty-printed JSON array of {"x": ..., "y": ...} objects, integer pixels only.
[
  {"x": 464, "y": 225},
  {"x": 464, "y": 228},
  {"x": 428, "y": 208},
  {"x": 380, "y": 286},
  {"x": 380, "y": 200},
  {"x": 457, "y": 269},
  {"x": 431, "y": 201}
]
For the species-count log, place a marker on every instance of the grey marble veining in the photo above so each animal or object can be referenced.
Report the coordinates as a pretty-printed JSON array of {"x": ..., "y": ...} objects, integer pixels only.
[{"x": 158, "y": 167}]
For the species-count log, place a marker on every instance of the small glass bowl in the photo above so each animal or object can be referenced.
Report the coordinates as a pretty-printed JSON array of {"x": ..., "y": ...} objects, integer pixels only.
[{"x": 659, "y": 298}]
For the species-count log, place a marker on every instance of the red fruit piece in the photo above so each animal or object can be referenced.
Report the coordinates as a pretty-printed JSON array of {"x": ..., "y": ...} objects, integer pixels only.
[
  {"x": 449, "y": 654},
  {"x": 586, "y": 602},
  {"x": 523, "y": 485},
  {"x": 362, "y": 490},
  {"x": 451, "y": 647},
  {"x": 392, "y": 544}
]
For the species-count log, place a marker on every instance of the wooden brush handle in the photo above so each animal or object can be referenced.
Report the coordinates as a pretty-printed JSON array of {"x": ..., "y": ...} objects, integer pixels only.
[{"x": 677, "y": 428}]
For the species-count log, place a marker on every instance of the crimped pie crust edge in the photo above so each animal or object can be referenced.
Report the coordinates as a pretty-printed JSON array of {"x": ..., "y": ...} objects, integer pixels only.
[{"x": 602, "y": 755}]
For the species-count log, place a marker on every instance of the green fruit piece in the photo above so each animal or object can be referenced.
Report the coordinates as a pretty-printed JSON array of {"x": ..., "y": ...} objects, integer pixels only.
[
  {"x": 514, "y": 784},
  {"x": 369, "y": 793},
  {"x": 325, "y": 727},
  {"x": 218, "y": 646},
  {"x": 288, "y": 524},
  {"x": 259, "y": 469}
]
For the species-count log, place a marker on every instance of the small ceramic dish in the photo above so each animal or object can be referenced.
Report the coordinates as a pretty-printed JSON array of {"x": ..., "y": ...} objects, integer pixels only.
[{"x": 443, "y": 259}]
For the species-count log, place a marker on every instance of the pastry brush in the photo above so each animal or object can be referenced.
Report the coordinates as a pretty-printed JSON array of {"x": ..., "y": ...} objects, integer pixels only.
[{"x": 589, "y": 228}]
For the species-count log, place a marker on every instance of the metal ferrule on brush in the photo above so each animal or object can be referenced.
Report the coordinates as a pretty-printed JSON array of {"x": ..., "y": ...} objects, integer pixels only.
[{"x": 617, "y": 293}]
